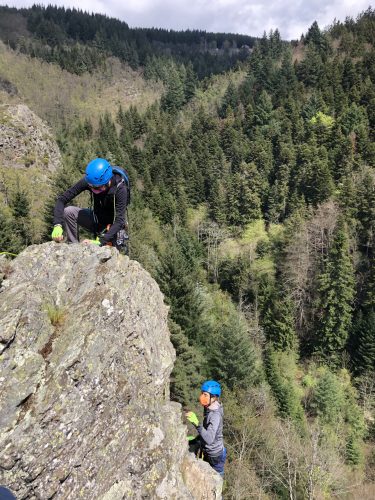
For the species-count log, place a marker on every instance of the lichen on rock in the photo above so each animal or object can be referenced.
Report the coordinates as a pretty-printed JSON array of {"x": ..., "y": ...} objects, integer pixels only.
[{"x": 84, "y": 373}]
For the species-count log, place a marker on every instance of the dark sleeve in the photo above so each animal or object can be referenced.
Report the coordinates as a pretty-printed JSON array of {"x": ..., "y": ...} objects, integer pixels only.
[
  {"x": 208, "y": 435},
  {"x": 63, "y": 199},
  {"x": 121, "y": 197}
]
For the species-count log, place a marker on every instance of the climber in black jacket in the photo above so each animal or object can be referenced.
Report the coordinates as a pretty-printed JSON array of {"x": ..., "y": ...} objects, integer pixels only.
[{"x": 107, "y": 217}]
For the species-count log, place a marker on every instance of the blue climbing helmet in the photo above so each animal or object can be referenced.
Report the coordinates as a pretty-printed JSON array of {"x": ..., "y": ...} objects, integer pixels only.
[
  {"x": 212, "y": 387},
  {"x": 98, "y": 172}
]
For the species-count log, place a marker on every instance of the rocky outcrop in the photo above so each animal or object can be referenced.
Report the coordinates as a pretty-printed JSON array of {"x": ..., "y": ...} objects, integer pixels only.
[
  {"x": 25, "y": 140},
  {"x": 29, "y": 156},
  {"x": 8, "y": 86},
  {"x": 84, "y": 376}
]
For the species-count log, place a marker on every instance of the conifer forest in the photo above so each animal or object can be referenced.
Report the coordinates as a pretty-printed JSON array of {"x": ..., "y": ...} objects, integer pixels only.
[{"x": 253, "y": 207}]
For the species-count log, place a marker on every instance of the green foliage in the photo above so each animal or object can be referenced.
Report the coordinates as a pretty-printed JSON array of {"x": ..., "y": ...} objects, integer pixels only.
[
  {"x": 175, "y": 95},
  {"x": 336, "y": 293},
  {"x": 232, "y": 358},
  {"x": 353, "y": 451},
  {"x": 189, "y": 369},
  {"x": 321, "y": 119},
  {"x": 79, "y": 41},
  {"x": 279, "y": 322},
  {"x": 56, "y": 315},
  {"x": 61, "y": 181},
  {"x": 20, "y": 207},
  {"x": 329, "y": 399},
  {"x": 364, "y": 335},
  {"x": 284, "y": 391},
  {"x": 275, "y": 158},
  {"x": 177, "y": 283},
  {"x": 8, "y": 241}
]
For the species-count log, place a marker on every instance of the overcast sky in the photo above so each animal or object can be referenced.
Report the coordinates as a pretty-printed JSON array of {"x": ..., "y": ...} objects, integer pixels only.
[{"x": 292, "y": 18}]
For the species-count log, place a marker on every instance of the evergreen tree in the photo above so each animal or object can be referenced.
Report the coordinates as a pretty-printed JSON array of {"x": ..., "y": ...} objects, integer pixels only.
[
  {"x": 263, "y": 109},
  {"x": 278, "y": 195},
  {"x": 284, "y": 393},
  {"x": 365, "y": 201},
  {"x": 9, "y": 241},
  {"x": 174, "y": 97},
  {"x": 20, "y": 206},
  {"x": 177, "y": 283},
  {"x": 191, "y": 82},
  {"x": 189, "y": 368},
  {"x": 353, "y": 450},
  {"x": 364, "y": 335},
  {"x": 230, "y": 100},
  {"x": 328, "y": 399},
  {"x": 61, "y": 181},
  {"x": 336, "y": 292},
  {"x": 232, "y": 357},
  {"x": 108, "y": 143},
  {"x": 279, "y": 323}
]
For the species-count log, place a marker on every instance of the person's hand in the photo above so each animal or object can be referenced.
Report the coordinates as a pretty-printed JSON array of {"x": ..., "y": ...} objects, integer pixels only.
[
  {"x": 57, "y": 233},
  {"x": 91, "y": 242},
  {"x": 192, "y": 418}
]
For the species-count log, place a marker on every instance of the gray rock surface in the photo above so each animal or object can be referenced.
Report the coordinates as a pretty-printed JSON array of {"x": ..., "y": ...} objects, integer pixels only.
[
  {"x": 84, "y": 382},
  {"x": 25, "y": 140}
]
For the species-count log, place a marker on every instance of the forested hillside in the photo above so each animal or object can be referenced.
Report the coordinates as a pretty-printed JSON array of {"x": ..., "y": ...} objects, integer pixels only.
[
  {"x": 80, "y": 42},
  {"x": 253, "y": 205}
]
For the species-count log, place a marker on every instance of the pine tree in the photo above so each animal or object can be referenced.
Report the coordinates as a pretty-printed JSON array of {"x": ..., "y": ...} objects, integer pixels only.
[
  {"x": 250, "y": 193},
  {"x": 289, "y": 405},
  {"x": 278, "y": 195},
  {"x": 364, "y": 334},
  {"x": 177, "y": 283},
  {"x": 263, "y": 109},
  {"x": 365, "y": 201},
  {"x": 328, "y": 399},
  {"x": 20, "y": 206},
  {"x": 353, "y": 451},
  {"x": 174, "y": 98},
  {"x": 279, "y": 322},
  {"x": 232, "y": 356},
  {"x": 61, "y": 181},
  {"x": 336, "y": 292},
  {"x": 9, "y": 241},
  {"x": 108, "y": 143},
  {"x": 191, "y": 82},
  {"x": 230, "y": 100},
  {"x": 218, "y": 201},
  {"x": 189, "y": 369}
]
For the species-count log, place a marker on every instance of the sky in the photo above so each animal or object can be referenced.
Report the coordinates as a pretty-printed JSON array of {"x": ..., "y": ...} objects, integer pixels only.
[{"x": 292, "y": 18}]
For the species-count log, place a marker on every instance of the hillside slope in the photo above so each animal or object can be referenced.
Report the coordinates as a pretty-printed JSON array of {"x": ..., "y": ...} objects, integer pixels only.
[{"x": 61, "y": 97}]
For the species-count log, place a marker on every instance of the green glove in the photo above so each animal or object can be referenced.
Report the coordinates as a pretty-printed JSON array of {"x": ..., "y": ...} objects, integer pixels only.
[
  {"x": 57, "y": 233},
  {"x": 94, "y": 242},
  {"x": 191, "y": 438},
  {"x": 192, "y": 418}
]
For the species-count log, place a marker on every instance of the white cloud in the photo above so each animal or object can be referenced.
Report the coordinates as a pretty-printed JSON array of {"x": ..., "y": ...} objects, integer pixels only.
[{"x": 250, "y": 17}]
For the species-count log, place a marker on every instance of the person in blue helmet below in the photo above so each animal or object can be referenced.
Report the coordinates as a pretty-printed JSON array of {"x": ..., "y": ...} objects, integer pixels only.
[
  {"x": 107, "y": 217},
  {"x": 210, "y": 432}
]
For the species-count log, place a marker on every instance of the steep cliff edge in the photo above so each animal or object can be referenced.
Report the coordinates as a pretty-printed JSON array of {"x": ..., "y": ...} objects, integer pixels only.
[
  {"x": 29, "y": 158},
  {"x": 84, "y": 374}
]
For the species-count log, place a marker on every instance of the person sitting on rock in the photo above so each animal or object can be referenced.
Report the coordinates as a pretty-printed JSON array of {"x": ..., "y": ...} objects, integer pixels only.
[
  {"x": 210, "y": 433},
  {"x": 106, "y": 219}
]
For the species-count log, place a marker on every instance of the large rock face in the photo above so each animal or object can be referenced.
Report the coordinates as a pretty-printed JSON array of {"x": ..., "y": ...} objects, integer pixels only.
[
  {"x": 25, "y": 140},
  {"x": 29, "y": 156},
  {"x": 84, "y": 377}
]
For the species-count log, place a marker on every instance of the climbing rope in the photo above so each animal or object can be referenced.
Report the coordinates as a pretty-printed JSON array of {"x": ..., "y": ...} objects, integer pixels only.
[{"x": 9, "y": 253}]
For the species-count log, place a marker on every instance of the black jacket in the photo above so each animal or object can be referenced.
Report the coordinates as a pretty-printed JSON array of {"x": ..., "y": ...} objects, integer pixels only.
[{"x": 109, "y": 207}]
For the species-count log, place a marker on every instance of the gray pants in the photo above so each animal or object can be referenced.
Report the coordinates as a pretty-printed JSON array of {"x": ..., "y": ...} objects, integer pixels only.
[{"x": 74, "y": 217}]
